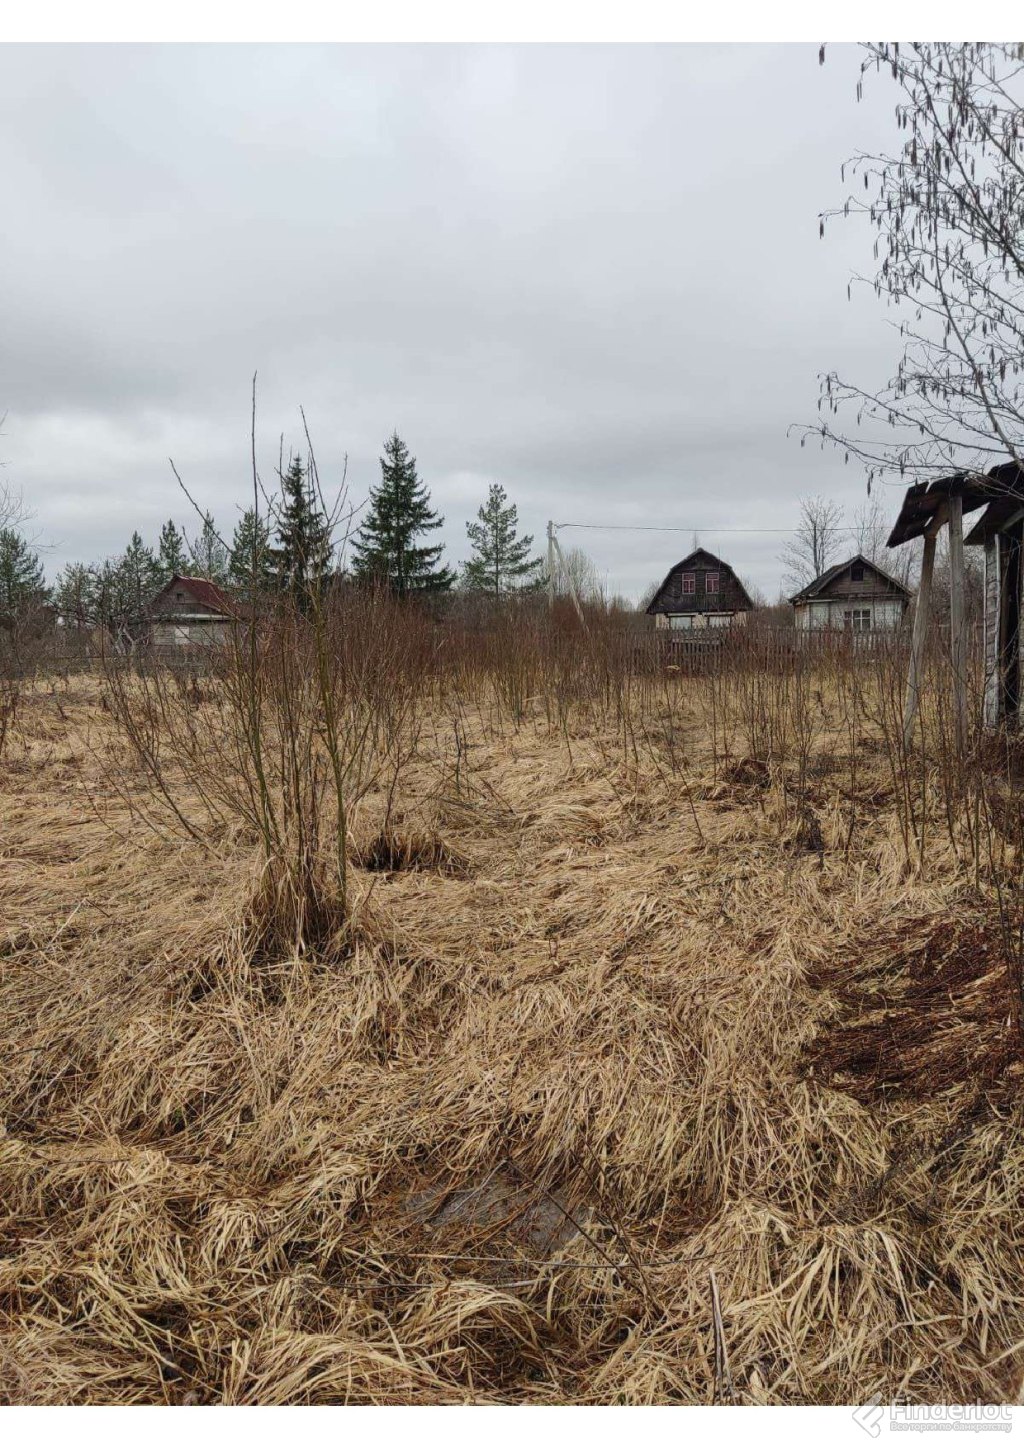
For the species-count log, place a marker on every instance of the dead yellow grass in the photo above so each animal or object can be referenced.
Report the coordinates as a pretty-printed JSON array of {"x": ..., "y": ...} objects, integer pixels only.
[{"x": 595, "y": 1032}]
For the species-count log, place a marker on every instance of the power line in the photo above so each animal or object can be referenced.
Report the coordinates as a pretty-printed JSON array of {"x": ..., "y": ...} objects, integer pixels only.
[{"x": 656, "y": 528}]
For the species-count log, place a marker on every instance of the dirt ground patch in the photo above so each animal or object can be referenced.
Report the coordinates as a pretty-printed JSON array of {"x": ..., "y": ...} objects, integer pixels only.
[{"x": 921, "y": 1011}]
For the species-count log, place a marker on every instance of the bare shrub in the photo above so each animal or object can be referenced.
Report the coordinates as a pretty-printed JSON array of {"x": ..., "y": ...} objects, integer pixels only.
[{"x": 282, "y": 732}]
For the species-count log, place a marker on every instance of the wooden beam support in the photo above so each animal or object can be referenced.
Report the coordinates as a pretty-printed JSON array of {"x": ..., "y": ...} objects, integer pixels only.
[
  {"x": 957, "y": 617},
  {"x": 940, "y": 518},
  {"x": 922, "y": 617}
]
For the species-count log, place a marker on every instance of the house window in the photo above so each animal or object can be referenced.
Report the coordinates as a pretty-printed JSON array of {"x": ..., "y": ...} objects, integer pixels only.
[
  {"x": 179, "y": 597},
  {"x": 857, "y": 573},
  {"x": 689, "y": 582},
  {"x": 859, "y": 619},
  {"x": 711, "y": 582},
  {"x": 680, "y": 620}
]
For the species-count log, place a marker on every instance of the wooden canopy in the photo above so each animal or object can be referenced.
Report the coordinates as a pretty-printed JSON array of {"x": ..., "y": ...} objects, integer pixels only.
[
  {"x": 927, "y": 508},
  {"x": 925, "y": 503}
]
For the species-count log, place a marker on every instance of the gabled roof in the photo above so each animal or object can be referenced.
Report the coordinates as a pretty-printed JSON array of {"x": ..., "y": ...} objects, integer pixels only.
[
  {"x": 715, "y": 562},
  {"x": 202, "y": 590},
  {"x": 819, "y": 584}
]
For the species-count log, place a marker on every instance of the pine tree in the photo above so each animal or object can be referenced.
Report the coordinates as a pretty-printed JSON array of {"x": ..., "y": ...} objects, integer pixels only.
[
  {"x": 502, "y": 562},
  {"x": 209, "y": 555},
  {"x": 112, "y": 596},
  {"x": 251, "y": 530},
  {"x": 141, "y": 577},
  {"x": 74, "y": 595},
  {"x": 173, "y": 558},
  {"x": 385, "y": 548},
  {"x": 21, "y": 576},
  {"x": 302, "y": 558}
]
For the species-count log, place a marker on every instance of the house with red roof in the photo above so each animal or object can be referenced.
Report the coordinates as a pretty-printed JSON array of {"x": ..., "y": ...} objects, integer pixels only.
[{"x": 190, "y": 613}]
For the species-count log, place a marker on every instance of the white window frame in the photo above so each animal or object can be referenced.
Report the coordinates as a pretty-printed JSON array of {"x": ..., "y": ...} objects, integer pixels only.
[{"x": 857, "y": 619}]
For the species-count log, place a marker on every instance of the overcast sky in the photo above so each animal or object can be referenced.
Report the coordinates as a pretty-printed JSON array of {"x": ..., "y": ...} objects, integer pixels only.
[{"x": 591, "y": 274}]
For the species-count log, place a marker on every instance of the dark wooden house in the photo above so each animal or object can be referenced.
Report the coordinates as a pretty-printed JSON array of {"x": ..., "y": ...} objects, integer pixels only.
[
  {"x": 700, "y": 592},
  {"x": 856, "y": 595},
  {"x": 190, "y": 613}
]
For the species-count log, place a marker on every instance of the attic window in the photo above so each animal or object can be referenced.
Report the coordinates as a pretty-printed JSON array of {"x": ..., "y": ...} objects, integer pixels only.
[
  {"x": 857, "y": 573},
  {"x": 689, "y": 582},
  {"x": 711, "y": 582},
  {"x": 179, "y": 596}
]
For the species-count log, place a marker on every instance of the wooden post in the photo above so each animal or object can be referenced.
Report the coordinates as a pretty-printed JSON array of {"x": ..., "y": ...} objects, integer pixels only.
[
  {"x": 922, "y": 614},
  {"x": 957, "y": 636}
]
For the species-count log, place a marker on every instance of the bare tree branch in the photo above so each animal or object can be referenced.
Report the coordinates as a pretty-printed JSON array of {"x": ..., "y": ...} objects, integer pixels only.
[{"x": 948, "y": 209}]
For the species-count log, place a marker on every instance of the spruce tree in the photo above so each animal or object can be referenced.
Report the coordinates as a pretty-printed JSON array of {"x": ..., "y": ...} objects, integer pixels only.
[
  {"x": 302, "y": 558},
  {"x": 385, "y": 547},
  {"x": 21, "y": 576},
  {"x": 209, "y": 555},
  {"x": 173, "y": 558},
  {"x": 501, "y": 562},
  {"x": 251, "y": 533},
  {"x": 112, "y": 596}
]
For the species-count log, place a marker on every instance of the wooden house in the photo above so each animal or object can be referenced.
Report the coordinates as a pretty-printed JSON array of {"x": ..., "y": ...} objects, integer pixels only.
[
  {"x": 190, "y": 613},
  {"x": 856, "y": 595},
  {"x": 700, "y": 592}
]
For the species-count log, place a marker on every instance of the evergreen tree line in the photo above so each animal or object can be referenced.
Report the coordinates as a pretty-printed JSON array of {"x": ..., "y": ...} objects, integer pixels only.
[{"x": 290, "y": 547}]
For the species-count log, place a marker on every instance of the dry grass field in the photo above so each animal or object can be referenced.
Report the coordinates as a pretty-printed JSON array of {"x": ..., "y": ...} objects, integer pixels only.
[{"x": 648, "y": 1064}]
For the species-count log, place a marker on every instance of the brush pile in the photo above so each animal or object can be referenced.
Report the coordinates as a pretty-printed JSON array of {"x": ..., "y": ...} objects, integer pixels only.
[{"x": 599, "y": 1022}]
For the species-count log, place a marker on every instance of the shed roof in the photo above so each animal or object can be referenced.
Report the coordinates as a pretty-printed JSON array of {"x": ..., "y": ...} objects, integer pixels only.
[{"x": 819, "y": 584}]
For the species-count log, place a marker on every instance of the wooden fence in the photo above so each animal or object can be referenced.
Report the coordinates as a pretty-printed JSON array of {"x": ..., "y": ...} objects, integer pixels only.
[{"x": 708, "y": 650}]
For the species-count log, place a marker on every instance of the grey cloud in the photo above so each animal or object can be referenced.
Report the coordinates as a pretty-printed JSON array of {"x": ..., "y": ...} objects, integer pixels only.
[{"x": 590, "y": 273}]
